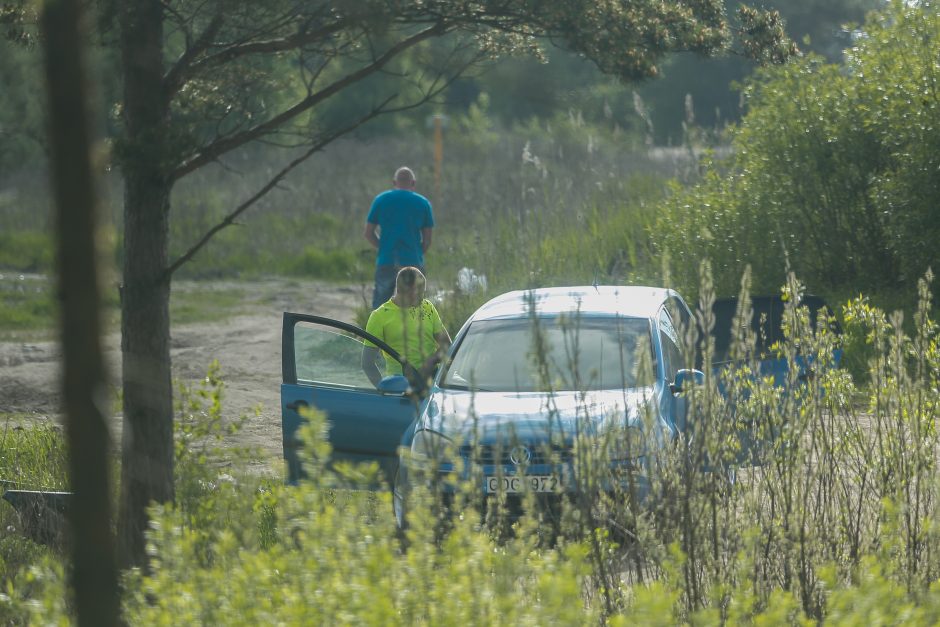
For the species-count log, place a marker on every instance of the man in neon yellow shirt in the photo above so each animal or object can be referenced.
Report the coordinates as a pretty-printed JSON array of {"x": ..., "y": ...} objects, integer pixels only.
[{"x": 410, "y": 324}]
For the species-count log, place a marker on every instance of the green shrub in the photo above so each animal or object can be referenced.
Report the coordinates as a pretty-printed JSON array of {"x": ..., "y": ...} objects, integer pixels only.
[
  {"x": 21, "y": 311},
  {"x": 34, "y": 457},
  {"x": 25, "y": 251},
  {"x": 206, "y": 303},
  {"x": 834, "y": 171},
  {"x": 28, "y": 305},
  {"x": 327, "y": 264}
]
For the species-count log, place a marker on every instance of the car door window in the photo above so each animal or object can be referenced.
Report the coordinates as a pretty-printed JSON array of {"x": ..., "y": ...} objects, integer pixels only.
[
  {"x": 672, "y": 355},
  {"x": 329, "y": 356},
  {"x": 681, "y": 317},
  {"x": 321, "y": 363}
]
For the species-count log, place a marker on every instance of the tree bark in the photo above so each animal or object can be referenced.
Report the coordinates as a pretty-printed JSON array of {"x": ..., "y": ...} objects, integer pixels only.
[
  {"x": 147, "y": 446},
  {"x": 94, "y": 572}
]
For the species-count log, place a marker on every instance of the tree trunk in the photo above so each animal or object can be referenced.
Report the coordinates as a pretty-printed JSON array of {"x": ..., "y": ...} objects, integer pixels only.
[
  {"x": 94, "y": 573},
  {"x": 147, "y": 446}
]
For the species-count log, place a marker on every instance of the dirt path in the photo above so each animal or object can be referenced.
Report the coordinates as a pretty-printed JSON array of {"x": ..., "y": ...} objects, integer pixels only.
[{"x": 247, "y": 346}]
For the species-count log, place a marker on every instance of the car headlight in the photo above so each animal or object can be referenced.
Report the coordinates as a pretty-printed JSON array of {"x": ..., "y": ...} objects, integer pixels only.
[
  {"x": 431, "y": 445},
  {"x": 628, "y": 443}
]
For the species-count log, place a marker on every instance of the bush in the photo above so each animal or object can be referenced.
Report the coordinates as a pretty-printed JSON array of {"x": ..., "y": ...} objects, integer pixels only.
[
  {"x": 317, "y": 263},
  {"x": 835, "y": 171},
  {"x": 32, "y": 458},
  {"x": 25, "y": 251},
  {"x": 26, "y": 308}
]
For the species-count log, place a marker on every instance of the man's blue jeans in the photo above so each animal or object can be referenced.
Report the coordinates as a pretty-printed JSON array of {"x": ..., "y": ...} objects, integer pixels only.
[{"x": 385, "y": 282}]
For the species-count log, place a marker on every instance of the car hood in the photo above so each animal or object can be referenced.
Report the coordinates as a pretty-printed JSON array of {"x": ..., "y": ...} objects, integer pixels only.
[{"x": 492, "y": 416}]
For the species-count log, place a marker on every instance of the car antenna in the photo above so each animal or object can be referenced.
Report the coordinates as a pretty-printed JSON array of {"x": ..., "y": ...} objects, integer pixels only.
[{"x": 595, "y": 278}]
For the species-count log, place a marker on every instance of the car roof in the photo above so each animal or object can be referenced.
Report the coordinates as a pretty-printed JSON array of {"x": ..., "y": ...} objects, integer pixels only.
[{"x": 622, "y": 300}]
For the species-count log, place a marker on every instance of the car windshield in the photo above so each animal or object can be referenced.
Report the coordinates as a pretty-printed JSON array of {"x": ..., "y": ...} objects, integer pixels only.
[{"x": 579, "y": 353}]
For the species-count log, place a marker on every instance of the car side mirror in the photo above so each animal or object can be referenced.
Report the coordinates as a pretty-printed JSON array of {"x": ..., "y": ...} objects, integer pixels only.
[
  {"x": 394, "y": 385},
  {"x": 686, "y": 379}
]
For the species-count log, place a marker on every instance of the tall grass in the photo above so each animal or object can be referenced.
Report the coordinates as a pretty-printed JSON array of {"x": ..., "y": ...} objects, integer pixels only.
[
  {"x": 26, "y": 304},
  {"x": 31, "y": 458},
  {"x": 564, "y": 201},
  {"x": 546, "y": 201},
  {"x": 549, "y": 201}
]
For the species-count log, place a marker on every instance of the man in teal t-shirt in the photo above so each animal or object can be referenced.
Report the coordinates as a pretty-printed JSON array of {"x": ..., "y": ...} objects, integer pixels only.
[
  {"x": 399, "y": 226},
  {"x": 408, "y": 323}
]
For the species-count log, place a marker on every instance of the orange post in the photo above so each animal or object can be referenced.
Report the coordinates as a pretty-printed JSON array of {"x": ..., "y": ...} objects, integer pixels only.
[{"x": 438, "y": 155}]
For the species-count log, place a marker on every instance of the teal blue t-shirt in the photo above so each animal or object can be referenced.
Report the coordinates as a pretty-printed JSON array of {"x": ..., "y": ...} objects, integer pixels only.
[{"x": 400, "y": 214}]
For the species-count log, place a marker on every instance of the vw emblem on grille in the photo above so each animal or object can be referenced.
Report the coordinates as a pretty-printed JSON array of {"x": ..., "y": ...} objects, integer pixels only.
[{"x": 520, "y": 455}]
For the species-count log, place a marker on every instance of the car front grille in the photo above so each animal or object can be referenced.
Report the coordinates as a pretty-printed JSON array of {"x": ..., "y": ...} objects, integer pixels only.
[{"x": 487, "y": 454}]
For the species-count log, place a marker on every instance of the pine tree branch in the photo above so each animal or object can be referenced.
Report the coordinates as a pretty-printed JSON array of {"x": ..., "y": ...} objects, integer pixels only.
[{"x": 214, "y": 150}]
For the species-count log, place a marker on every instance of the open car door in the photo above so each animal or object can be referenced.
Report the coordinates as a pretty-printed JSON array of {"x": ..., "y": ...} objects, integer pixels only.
[
  {"x": 767, "y": 326},
  {"x": 321, "y": 369}
]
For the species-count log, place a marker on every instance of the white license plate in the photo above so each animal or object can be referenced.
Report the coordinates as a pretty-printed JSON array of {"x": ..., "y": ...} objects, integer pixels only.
[{"x": 522, "y": 483}]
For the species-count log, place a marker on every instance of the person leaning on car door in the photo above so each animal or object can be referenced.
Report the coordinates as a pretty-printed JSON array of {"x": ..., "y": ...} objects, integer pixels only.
[
  {"x": 410, "y": 324},
  {"x": 399, "y": 226}
]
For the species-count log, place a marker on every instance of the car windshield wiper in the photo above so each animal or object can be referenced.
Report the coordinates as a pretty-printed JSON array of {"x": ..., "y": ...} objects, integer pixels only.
[
  {"x": 456, "y": 386},
  {"x": 464, "y": 388}
]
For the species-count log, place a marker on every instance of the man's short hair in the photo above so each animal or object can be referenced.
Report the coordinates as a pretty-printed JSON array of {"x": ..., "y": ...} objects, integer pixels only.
[
  {"x": 408, "y": 277},
  {"x": 405, "y": 176}
]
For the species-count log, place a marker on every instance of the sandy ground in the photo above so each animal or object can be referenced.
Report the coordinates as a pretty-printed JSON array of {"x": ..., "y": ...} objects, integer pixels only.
[{"x": 247, "y": 346}]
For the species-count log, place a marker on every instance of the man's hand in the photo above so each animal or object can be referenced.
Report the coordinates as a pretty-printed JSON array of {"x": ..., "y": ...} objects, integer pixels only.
[
  {"x": 425, "y": 239},
  {"x": 370, "y": 235},
  {"x": 370, "y": 355},
  {"x": 430, "y": 364}
]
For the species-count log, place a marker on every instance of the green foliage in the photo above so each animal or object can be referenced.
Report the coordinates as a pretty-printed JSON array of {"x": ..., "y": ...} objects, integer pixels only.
[
  {"x": 29, "y": 308},
  {"x": 292, "y": 236},
  {"x": 26, "y": 304},
  {"x": 206, "y": 491},
  {"x": 859, "y": 318},
  {"x": 25, "y": 251},
  {"x": 33, "y": 458},
  {"x": 879, "y": 600},
  {"x": 203, "y": 303},
  {"x": 556, "y": 201},
  {"x": 317, "y": 263},
  {"x": 21, "y": 100},
  {"x": 713, "y": 84},
  {"x": 832, "y": 171},
  {"x": 317, "y": 553}
]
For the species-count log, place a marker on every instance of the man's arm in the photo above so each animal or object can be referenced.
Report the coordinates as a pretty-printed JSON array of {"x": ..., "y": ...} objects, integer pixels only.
[
  {"x": 425, "y": 239},
  {"x": 431, "y": 363},
  {"x": 370, "y": 235},
  {"x": 443, "y": 340},
  {"x": 370, "y": 355}
]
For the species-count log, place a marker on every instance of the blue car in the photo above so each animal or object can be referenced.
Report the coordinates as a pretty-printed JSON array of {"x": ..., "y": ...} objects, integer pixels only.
[
  {"x": 532, "y": 378},
  {"x": 767, "y": 325}
]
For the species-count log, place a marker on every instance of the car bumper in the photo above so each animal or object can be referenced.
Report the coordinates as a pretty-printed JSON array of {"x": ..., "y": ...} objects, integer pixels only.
[{"x": 625, "y": 480}]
